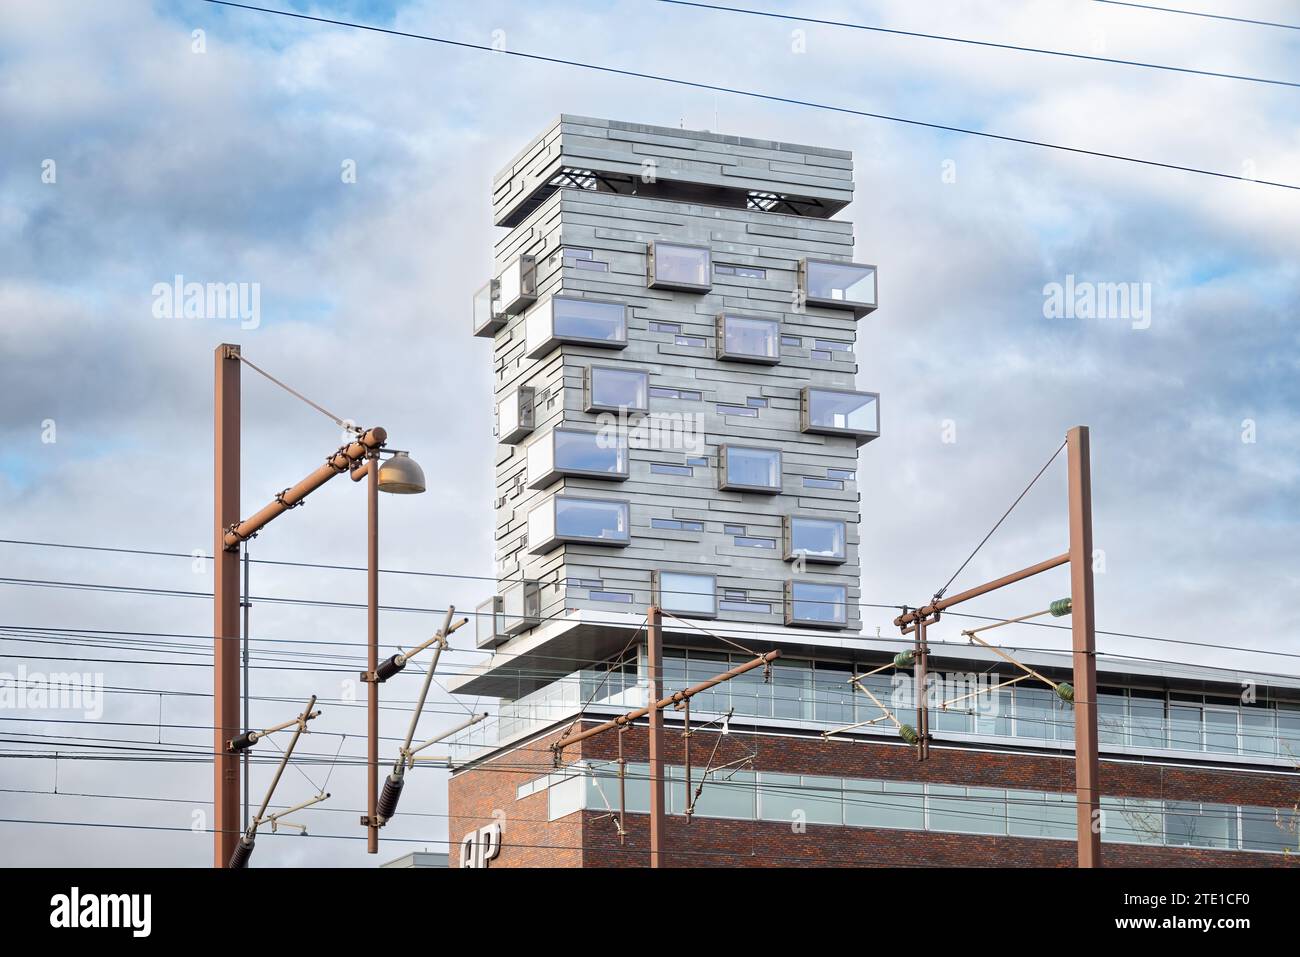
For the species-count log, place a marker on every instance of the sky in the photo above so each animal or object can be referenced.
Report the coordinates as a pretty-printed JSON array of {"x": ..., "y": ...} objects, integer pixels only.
[{"x": 148, "y": 140}]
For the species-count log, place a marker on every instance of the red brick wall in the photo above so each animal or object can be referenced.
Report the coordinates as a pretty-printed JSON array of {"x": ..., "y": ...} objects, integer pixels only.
[{"x": 529, "y": 840}]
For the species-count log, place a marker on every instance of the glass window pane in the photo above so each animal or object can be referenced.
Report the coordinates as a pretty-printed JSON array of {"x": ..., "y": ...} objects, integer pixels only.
[
  {"x": 792, "y": 689},
  {"x": 1133, "y": 820},
  {"x": 726, "y": 793},
  {"x": 688, "y": 593},
  {"x": 1146, "y": 720},
  {"x": 681, "y": 265},
  {"x": 993, "y": 711},
  {"x": 1258, "y": 730},
  {"x": 755, "y": 468},
  {"x": 584, "y": 319},
  {"x": 817, "y": 537},
  {"x": 619, "y": 389},
  {"x": 751, "y": 338},
  {"x": 822, "y": 799},
  {"x": 814, "y": 602},
  {"x": 850, "y": 411},
  {"x": 841, "y": 282},
  {"x": 594, "y": 452},
  {"x": 779, "y": 796},
  {"x": 1270, "y": 829},
  {"x": 700, "y": 667},
  {"x": 1288, "y": 732},
  {"x": 591, "y": 519},
  {"x": 1184, "y": 726},
  {"x": 884, "y": 804},
  {"x": 1189, "y": 824},
  {"x": 1034, "y": 713},
  {"x": 1112, "y": 718},
  {"x": 832, "y": 694},
  {"x": 1221, "y": 730}
]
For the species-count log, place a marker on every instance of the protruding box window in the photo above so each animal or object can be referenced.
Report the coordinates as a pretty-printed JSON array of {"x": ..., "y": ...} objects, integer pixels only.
[
  {"x": 745, "y": 469},
  {"x": 599, "y": 455},
  {"x": 590, "y": 322},
  {"x": 677, "y": 266},
  {"x": 516, "y": 415},
  {"x": 840, "y": 285},
  {"x": 521, "y": 607},
  {"x": 517, "y": 286},
  {"x": 816, "y": 604},
  {"x": 748, "y": 339},
  {"x": 488, "y": 321},
  {"x": 815, "y": 539},
  {"x": 840, "y": 412},
  {"x": 688, "y": 594},
  {"x": 610, "y": 389},
  {"x": 489, "y": 623},
  {"x": 568, "y": 518}
]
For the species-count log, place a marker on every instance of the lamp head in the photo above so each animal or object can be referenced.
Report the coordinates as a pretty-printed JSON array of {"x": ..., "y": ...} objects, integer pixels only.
[{"x": 401, "y": 475}]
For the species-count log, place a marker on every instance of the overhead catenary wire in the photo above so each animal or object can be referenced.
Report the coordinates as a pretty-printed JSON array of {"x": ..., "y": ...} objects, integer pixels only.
[
  {"x": 967, "y": 41},
  {"x": 1200, "y": 13},
  {"x": 767, "y": 97}
]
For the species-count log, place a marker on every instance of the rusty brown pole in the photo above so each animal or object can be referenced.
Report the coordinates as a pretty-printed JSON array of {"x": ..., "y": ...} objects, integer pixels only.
[
  {"x": 225, "y": 605},
  {"x": 922, "y": 704},
  {"x": 929, "y": 610},
  {"x": 341, "y": 461},
  {"x": 1083, "y": 630},
  {"x": 654, "y": 674},
  {"x": 686, "y": 748},
  {"x": 372, "y": 653}
]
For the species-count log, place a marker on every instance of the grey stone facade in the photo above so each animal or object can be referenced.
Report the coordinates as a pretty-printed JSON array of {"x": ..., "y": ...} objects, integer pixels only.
[{"x": 761, "y": 209}]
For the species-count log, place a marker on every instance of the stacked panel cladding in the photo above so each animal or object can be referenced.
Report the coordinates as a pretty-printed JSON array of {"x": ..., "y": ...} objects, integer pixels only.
[
  {"x": 602, "y": 309},
  {"x": 653, "y": 289}
]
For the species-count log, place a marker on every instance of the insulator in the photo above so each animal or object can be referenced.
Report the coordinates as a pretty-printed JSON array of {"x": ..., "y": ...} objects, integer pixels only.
[
  {"x": 245, "y": 740},
  {"x": 390, "y": 667},
  {"x": 1066, "y": 691},
  {"x": 905, "y": 659},
  {"x": 243, "y": 851},
  {"x": 387, "y": 805},
  {"x": 908, "y": 733},
  {"x": 1060, "y": 607}
]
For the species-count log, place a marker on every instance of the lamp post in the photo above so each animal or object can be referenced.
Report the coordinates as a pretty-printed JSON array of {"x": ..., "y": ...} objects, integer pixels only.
[
  {"x": 399, "y": 475},
  {"x": 362, "y": 456}
]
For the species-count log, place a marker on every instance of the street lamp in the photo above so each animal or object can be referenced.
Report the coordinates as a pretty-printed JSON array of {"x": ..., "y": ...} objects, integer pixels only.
[{"x": 399, "y": 475}]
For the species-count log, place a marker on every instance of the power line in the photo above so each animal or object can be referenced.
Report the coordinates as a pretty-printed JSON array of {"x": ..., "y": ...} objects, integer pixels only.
[
  {"x": 799, "y": 18},
  {"x": 561, "y": 616},
  {"x": 1198, "y": 13},
  {"x": 768, "y": 97}
]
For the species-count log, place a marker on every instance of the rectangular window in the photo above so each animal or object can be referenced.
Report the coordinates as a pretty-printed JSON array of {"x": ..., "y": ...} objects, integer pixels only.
[
  {"x": 815, "y": 539},
  {"x": 676, "y": 525},
  {"x": 1258, "y": 730},
  {"x": 839, "y": 285},
  {"x": 745, "y": 272},
  {"x": 746, "y": 607},
  {"x": 521, "y": 607},
  {"x": 570, "y": 452},
  {"x": 1269, "y": 829},
  {"x": 619, "y": 596},
  {"x": 747, "y": 339},
  {"x": 517, "y": 286},
  {"x": 737, "y": 410},
  {"x": 695, "y": 342},
  {"x": 812, "y": 603},
  {"x": 590, "y": 322},
  {"x": 840, "y": 412},
  {"x": 756, "y": 403},
  {"x": 810, "y": 482},
  {"x": 796, "y": 341},
  {"x": 686, "y": 593},
  {"x": 567, "y": 518},
  {"x": 820, "y": 354},
  {"x": 734, "y": 529},
  {"x": 488, "y": 321},
  {"x": 660, "y": 468},
  {"x": 515, "y": 415},
  {"x": 896, "y": 804},
  {"x": 847, "y": 475},
  {"x": 677, "y": 266},
  {"x": 833, "y": 345},
  {"x": 673, "y": 327},
  {"x": 608, "y": 389},
  {"x": 743, "y": 541},
  {"x": 703, "y": 463},
  {"x": 748, "y": 469},
  {"x": 686, "y": 395}
]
